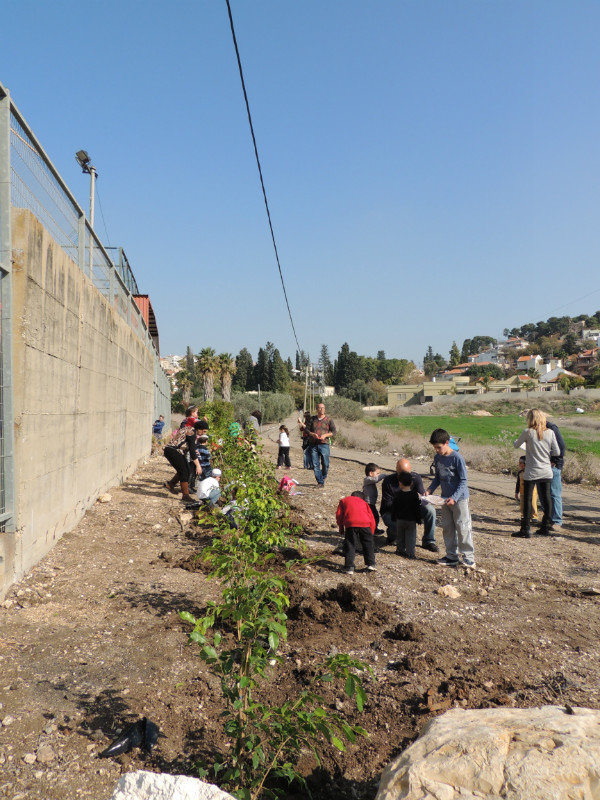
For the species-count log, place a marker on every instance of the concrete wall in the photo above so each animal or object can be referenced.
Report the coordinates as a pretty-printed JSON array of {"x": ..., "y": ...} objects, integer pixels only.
[{"x": 84, "y": 391}]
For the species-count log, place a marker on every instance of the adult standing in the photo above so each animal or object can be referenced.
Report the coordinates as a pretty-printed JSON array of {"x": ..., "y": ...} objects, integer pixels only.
[
  {"x": 389, "y": 488},
  {"x": 157, "y": 427},
  {"x": 557, "y": 463},
  {"x": 540, "y": 445},
  {"x": 303, "y": 425},
  {"x": 320, "y": 430}
]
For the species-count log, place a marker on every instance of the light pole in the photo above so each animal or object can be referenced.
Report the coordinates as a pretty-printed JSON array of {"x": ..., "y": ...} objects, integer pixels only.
[{"x": 85, "y": 162}]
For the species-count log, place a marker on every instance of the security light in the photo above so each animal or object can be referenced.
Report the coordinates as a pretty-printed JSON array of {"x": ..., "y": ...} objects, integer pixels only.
[{"x": 83, "y": 160}]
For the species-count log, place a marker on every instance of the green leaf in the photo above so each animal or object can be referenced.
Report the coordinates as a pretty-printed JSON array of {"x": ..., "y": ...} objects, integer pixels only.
[
  {"x": 361, "y": 698},
  {"x": 338, "y": 743},
  {"x": 273, "y": 640},
  {"x": 187, "y": 617},
  {"x": 350, "y": 685}
]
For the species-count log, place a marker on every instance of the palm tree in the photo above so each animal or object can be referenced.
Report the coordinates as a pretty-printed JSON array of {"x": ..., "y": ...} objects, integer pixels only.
[
  {"x": 208, "y": 364},
  {"x": 228, "y": 369},
  {"x": 185, "y": 384}
]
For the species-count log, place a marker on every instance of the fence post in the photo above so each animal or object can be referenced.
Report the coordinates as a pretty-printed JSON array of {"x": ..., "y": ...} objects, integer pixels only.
[{"x": 7, "y": 483}]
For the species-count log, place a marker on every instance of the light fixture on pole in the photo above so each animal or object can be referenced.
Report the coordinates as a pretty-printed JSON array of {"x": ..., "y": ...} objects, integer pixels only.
[{"x": 85, "y": 162}]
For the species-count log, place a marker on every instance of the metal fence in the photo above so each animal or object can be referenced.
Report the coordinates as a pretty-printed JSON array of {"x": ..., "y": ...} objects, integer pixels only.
[{"x": 28, "y": 179}]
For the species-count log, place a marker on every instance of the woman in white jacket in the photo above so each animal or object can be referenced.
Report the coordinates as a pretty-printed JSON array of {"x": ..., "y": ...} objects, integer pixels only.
[{"x": 540, "y": 443}]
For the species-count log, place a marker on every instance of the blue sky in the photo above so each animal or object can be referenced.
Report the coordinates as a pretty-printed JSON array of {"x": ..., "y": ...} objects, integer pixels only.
[{"x": 431, "y": 166}]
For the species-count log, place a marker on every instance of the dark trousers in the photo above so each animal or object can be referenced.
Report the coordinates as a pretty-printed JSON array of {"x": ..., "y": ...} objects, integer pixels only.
[
  {"x": 178, "y": 461},
  {"x": 283, "y": 457},
  {"x": 373, "y": 508},
  {"x": 366, "y": 539},
  {"x": 545, "y": 496}
]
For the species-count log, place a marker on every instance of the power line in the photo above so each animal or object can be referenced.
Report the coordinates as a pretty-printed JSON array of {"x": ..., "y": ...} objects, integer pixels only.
[
  {"x": 102, "y": 215},
  {"x": 262, "y": 183}
]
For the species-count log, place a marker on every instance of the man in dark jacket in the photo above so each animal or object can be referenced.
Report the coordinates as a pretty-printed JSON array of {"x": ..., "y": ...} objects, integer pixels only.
[{"x": 389, "y": 488}]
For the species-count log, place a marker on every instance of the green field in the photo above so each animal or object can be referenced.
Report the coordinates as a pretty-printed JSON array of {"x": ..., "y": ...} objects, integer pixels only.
[{"x": 485, "y": 430}]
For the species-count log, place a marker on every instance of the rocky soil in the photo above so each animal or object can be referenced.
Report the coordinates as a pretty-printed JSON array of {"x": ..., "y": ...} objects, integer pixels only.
[{"x": 91, "y": 640}]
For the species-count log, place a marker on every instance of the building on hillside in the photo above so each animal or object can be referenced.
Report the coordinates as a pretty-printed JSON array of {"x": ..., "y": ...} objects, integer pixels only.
[
  {"x": 525, "y": 363},
  {"x": 553, "y": 375},
  {"x": 586, "y": 362},
  {"x": 590, "y": 333},
  {"x": 512, "y": 344},
  {"x": 491, "y": 356},
  {"x": 420, "y": 393}
]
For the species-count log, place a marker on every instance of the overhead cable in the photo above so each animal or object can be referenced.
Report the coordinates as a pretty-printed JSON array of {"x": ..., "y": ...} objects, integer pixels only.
[{"x": 262, "y": 183}]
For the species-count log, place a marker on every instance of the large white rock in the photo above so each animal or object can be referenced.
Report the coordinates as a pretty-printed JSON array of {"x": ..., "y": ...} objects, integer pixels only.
[
  {"x": 143, "y": 785},
  {"x": 509, "y": 754}
]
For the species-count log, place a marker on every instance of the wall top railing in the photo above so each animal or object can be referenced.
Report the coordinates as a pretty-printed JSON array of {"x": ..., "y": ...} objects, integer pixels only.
[{"x": 37, "y": 185}]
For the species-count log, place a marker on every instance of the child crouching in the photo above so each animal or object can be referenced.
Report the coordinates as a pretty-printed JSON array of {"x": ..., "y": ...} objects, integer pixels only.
[{"x": 355, "y": 518}]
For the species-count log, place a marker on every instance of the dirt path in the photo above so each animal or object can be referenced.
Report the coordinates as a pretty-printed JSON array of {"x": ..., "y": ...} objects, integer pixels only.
[{"x": 91, "y": 639}]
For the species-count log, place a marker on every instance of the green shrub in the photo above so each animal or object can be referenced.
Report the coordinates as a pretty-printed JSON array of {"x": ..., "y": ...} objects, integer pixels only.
[
  {"x": 343, "y": 408},
  {"x": 274, "y": 406}
]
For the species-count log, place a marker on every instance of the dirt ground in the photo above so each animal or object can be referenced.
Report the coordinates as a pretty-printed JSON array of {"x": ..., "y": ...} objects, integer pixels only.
[{"x": 91, "y": 639}]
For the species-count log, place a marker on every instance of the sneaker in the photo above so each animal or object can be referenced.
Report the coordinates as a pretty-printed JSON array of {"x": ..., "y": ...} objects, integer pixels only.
[
  {"x": 431, "y": 546},
  {"x": 348, "y": 571},
  {"x": 379, "y": 531},
  {"x": 371, "y": 568},
  {"x": 521, "y": 535},
  {"x": 448, "y": 562},
  {"x": 468, "y": 563},
  {"x": 339, "y": 550}
]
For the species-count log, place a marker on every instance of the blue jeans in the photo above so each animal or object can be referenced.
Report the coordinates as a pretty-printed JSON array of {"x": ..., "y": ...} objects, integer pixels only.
[
  {"x": 307, "y": 458},
  {"x": 319, "y": 454},
  {"x": 556, "y": 495}
]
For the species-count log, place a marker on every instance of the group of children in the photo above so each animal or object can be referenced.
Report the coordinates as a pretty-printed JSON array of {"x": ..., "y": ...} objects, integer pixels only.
[
  {"x": 188, "y": 454},
  {"x": 357, "y": 515}
]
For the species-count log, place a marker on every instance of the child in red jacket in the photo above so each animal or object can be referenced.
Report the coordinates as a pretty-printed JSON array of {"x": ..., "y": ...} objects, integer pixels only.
[{"x": 355, "y": 518}]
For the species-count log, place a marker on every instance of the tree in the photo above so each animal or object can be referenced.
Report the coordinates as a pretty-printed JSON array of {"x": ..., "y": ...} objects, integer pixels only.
[
  {"x": 325, "y": 365},
  {"x": 185, "y": 383},
  {"x": 243, "y": 379},
  {"x": 189, "y": 360},
  {"x": 302, "y": 360},
  {"x": 481, "y": 343},
  {"x": 466, "y": 351},
  {"x": 433, "y": 362},
  {"x": 454, "y": 355},
  {"x": 485, "y": 370},
  {"x": 208, "y": 364},
  {"x": 261, "y": 370},
  {"x": 227, "y": 368},
  {"x": 570, "y": 344},
  {"x": 486, "y": 380},
  {"x": 347, "y": 368},
  {"x": 280, "y": 380}
]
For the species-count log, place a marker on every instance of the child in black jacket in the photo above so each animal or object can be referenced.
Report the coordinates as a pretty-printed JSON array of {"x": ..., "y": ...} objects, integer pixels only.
[{"x": 406, "y": 513}]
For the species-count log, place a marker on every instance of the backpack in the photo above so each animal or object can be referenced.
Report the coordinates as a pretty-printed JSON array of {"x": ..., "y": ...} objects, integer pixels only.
[{"x": 288, "y": 485}]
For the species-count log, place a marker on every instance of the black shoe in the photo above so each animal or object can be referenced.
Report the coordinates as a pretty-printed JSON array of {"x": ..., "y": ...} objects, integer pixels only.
[
  {"x": 521, "y": 535},
  {"x": 389, "y": 541},
  {"x": 431, "y": 546},
  {"x": 547, "y": 532}
]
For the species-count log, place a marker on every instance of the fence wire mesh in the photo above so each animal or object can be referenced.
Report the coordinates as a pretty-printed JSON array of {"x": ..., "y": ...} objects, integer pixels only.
[{"x": 36, "y": 185}]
